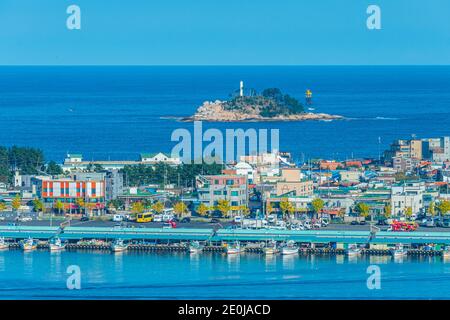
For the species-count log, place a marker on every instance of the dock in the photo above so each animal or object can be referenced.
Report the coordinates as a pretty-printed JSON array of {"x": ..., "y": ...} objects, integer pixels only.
[{"x": 73, "y": 234}]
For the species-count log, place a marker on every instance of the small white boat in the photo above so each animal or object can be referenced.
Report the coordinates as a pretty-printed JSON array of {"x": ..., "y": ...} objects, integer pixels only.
[
  {"x": 3, "y": 244},
  {"x": 446, "y": 253},
  {"x": 118, "y": 246},
  {"x": 29, "y": 244},
  {"x": 271, "y": 248},
  {"x": 399, "y": 251},
  {"x": 195, "y": 247},
  {"x": 353, "y": 250},
  {"x": 290, "y": 248},
  {"x": 56, "y": 244},
  {"x": 234, "y": 248}
]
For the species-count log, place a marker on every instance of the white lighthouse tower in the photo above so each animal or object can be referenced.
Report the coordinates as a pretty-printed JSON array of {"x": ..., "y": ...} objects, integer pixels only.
[{"x": 241, "y": 89}]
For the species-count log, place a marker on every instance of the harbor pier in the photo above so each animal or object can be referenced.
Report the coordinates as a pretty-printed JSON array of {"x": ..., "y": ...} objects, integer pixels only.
[{"x": 177, "y": 239}]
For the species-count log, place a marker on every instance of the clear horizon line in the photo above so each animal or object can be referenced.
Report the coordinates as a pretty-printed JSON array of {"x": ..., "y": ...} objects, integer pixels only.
[{"x": 224, "y": 65}]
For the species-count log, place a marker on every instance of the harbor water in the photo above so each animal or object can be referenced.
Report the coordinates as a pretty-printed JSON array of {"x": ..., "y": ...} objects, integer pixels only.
[{"x": 130, "y": 275}]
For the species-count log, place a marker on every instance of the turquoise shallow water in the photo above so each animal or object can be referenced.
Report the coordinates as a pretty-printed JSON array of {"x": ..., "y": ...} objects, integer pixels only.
[{"x": 42, "y": 275}]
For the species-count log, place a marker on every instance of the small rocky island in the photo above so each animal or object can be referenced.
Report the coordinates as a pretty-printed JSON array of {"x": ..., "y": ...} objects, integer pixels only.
[{"x": 270, "y": 105}]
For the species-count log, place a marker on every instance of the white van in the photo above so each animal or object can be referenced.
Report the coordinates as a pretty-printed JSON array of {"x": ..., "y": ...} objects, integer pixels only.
[
  {"x": 118, "y": 218},
  {"x": 167, "y": 217}
]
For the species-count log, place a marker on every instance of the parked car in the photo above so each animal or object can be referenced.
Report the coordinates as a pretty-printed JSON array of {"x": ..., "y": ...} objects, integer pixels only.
[
  {"x": 362, "y": 222},
  {"x": 185, "y": 220},
  {"x": 118, "y": 218},
  {"x": 430, "y": 223},
  {"x": 354, "y": 223},
  {"x": 238, "y": 219},
  {"x": 167, "y": 217},
  {"x": 26, "y": 219},
  {"x": 307, "y": 224},
  {"x": 84, "y": 218},
  {"x": 158, "y": 218},
  {"x": 214, "y": 220}
]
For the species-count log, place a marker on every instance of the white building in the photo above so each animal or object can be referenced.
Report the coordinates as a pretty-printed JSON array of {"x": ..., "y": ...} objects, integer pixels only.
[
  {"x": 407, "y": 195},
  {"x": 245, "y": 169}
]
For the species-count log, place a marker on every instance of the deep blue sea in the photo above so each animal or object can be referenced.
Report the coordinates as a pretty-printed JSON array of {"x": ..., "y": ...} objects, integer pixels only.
[
  {"x": 43, "y": 275},
  {"x": 119, "y": 112}
]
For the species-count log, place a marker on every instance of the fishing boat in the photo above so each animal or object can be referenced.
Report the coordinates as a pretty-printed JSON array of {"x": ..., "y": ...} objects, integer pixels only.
[
  {"x": 290, "y": 248},
  {"x": 353, "y": 250},
  {"x": 234, "y": 248},
  {"x": 119, "y": 246},
  {"x": 446, "y": 253},
  {"x": 399, "y": 251},
  {"x": 3, "y": 244},
  {"x": 56, "y": 244},
  {"x": 195, "y": 247},
  {"x": 271, "y": 248},
  {"x": 29, "y": 245}
]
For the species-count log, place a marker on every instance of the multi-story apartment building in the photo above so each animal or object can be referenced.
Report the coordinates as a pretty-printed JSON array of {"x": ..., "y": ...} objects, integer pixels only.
[
  {"x": 435, "y": 149},
  {"x": 291, "y": 181},
  {"x": 68, "y": 190},
  {"x": 407, "y": 195},
  {"x": 233, "y": 188}
]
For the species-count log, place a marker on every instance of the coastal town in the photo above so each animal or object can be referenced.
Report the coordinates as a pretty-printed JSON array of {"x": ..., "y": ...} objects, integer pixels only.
[{"x": 409, "y": 183}]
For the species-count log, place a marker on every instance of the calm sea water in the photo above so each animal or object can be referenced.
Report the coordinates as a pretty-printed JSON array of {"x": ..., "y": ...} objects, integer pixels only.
[
  {"x": 42, "y": 275},
  {"x": 118, "y": 112}
]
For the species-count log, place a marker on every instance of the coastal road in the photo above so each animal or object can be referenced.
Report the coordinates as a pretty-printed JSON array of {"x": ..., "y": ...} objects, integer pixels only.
[{"x": 199, "y": 225}]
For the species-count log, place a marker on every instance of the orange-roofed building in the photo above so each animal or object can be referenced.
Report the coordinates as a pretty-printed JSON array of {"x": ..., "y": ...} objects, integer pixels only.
[{"x": 330, "y": 165}]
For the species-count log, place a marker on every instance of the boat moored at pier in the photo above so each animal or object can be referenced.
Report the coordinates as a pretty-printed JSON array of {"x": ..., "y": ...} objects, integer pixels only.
[
  {"x": 3, "y": 244},
  {"x": 234, "y": 248},
  {"x": 119, "y": 246},
  {"x": 195, "y": 247},
  {"x": 399, "y": 251},
  {"x": 290, "y": 248},
  {"x": 29, "y": 245},
  {"x": 353, "y": 250},
  {"x": 55, "y": 244}
]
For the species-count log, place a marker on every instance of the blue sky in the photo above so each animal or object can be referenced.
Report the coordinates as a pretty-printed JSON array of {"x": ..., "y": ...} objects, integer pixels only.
[{"x": 224, "y": 32}]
